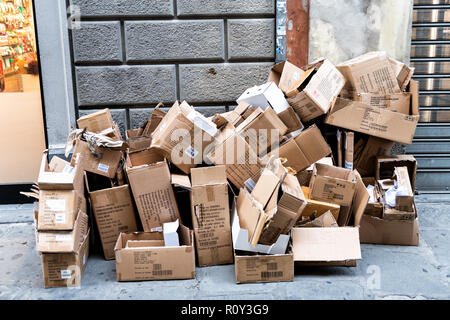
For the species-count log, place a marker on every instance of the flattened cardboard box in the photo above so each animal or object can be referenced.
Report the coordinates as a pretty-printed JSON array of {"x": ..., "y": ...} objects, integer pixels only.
[
  {"x": 148, "y": 259},
  {"x": 303, "y": 150},
  {"x": 332, "y": 246},
  {"x": 263, "y": 268},
  {"x": 211, "y": 216},
  {"x": 378, "y": 122},
  {"x": 194, "y": 133},
  {"x": 152, "y": 190},
  {"x": 370, "y": 73},
  {"x": 316, "y": 91},
  {"x": 114, "y": 213},
  {"x": 59, "y": 175},
  {"x": 65, "y": 269},
  {"x": 107, "y": 165},
  {"x": 262, "y": 130},
  {"x": 59, "y": 209},
  {"x": 63, "y": 241}
]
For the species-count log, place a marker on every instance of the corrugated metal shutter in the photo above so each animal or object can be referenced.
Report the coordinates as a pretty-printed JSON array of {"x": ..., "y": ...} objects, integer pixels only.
[{"x": 430, "y": 55}]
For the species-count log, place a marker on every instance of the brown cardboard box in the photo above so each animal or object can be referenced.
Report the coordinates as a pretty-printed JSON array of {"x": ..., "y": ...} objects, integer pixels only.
[
  {"x": 148, "y": 259},
  {"x": 389, "y": 232},
  {"x": 316, "y": 90},
  {"x": 285, "y": 75},
  {"x": 151, "y": 186},
  {"x": 303, "y": 150},
  {"x": 398, "y": 102},
  {"x": 59, "y": 209},
  {"x": 211, "y": 216},
  {"x": 332, "y": 184},
  {"x": 100, "y": 122},
  {"x": 290, "y": 206},
  {"x": 239, "y": 114},
  {"x": 256, "y": 268},
  {"x": 305, "y": 176},
  {"x": 63, "y": 241},
  {"x": 59, "y": 175},
  {"x": 107, "y": 165},
  {"x": 194, "y": 133},
  {"x": 242, "y": 163},
  {"x": 137, "y": 141},
  {"x": 378, "y": 122},
  {"x": 262, "y": 130},
  {"x": 332, "y": 246},
  {"x": 291, "y": 120},
  {"x": 385, "y": 166},
  {"x": 374, "y": 209},
  {"x": 402, "y": 72},
  {"x": 366, "y": 162},
  {"x": 404, "y": 202},
  {"x": 114, "y": 213},
  {"x": 349, "y": 148},
  {"x": 154, "y": 121},
  {"x": 65, "y": 269},
  {"x": 371, "y": 73}
]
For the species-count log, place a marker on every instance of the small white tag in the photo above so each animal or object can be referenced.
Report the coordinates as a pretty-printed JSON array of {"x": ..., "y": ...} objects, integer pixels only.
[
  {"x": 250, "y": 184},
  {"x": 191, "y": 152},
  {"x": 66, "y": 274},
  {"x": 84, "y": 259},
  {"x": 157, "y": 229},
  {"x": 55, "y": 204},
  {"x": 163, "y": 126},
  {"x": 63, "y": 237},
  {"x": 348, "y": 165},
  {"x": 296, "y": 76},
  {"x": 68, "y": 169},
  {"x": 60, "y": 218},
  {"x": 103, "y": 167}
]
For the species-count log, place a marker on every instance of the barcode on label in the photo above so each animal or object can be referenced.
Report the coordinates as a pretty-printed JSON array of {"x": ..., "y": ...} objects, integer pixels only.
[
  {"x": 271, "y": 274},
  {"x": 191, "y": 152},
  {"x": 103, "y": 167},
  {"x": 162, "y": 273},
  {"x": 66, "y": 274},
  {"x": 60, "y": 218}
]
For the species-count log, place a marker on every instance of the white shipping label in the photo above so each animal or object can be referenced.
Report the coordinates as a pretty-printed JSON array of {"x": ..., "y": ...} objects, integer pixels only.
[
  {"x": 191, "y": 152},
  {"x": 68, "y": 169},
  {"x": 157, "y": 229},
  {"x": 60, "y": 218},
  {"x": 55, "y": 204},
  {"x": 202, "y": 123},
  {"x": 84, "y": 259},
  {"x": 348, "y": 165},
  {"x": 63, "y": 237},
  {"x": 66, "y": 274},
  {"x": 103, "y": 168}
]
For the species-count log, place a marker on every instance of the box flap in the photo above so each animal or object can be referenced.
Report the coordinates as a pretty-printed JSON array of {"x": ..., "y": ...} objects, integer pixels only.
[
  {"x": 181, "y": 181},
  {"x": 208, "y": 175},
  {"x": 360, "y": 200},
  {"x": 326, "y": 244}
]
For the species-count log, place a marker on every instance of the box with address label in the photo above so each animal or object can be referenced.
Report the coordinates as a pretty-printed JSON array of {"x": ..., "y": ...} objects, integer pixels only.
[
  {"x": 103, "y": 161},
  {"x": 58, "y": 209}
]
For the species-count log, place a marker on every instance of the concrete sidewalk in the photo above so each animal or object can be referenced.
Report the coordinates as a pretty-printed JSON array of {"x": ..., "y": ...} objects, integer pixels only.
[{"x": 404, "y": 272}]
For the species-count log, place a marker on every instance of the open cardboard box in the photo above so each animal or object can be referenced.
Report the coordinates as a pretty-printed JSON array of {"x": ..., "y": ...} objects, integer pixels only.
[
  {"x": 332, "y": 246},
  {"x": 265, "y": 96},
  {"x": 59, "y": 175},
  {"x": 113, "y": 211},
  {"x": 285, "y": 74},
  {"x": 316, "y": 91},
  {"x": 146, "y": 258},
  {"x": 385, "y": 166},
  {"x": 150, "y": 181},
  {"x": 378, "y": 122}
]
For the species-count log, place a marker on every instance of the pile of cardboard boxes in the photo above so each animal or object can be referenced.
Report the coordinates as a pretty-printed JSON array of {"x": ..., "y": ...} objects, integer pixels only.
[{"x": 299, "y": 173}]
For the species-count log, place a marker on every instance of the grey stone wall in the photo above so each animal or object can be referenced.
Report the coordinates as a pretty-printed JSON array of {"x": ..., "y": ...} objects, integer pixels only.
[{"x": 129, "y": 55}]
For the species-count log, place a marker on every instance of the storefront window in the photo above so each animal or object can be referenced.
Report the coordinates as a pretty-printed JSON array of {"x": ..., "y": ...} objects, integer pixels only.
[{"x": 19, "y": 64}]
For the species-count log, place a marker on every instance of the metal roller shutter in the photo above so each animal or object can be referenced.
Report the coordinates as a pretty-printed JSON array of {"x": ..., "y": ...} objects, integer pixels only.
[{"x": 430, "y": 55}]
